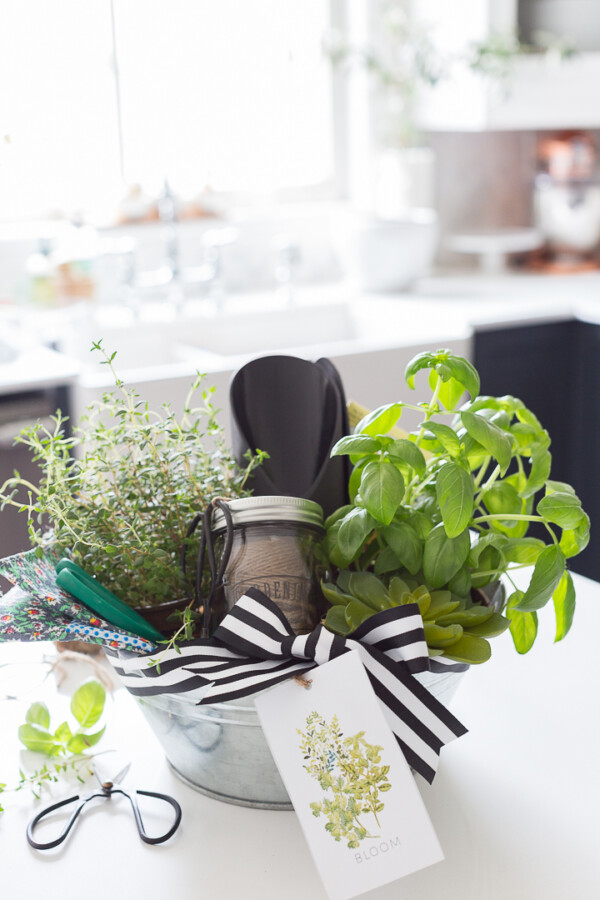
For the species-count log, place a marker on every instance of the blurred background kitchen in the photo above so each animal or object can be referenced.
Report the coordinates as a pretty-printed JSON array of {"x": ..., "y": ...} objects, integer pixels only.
[{"x": 200, "y": 183}]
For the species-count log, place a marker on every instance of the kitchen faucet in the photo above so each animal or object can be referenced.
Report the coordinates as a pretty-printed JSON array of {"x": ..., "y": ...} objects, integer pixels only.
[{"x": 171, "y": 276}]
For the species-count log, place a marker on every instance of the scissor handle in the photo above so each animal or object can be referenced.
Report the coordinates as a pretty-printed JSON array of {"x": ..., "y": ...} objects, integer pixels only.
[
  {"x": 138, "y": 816},
  {"x": 46, "y": 812},
  {"x": 48, "y": 845}
]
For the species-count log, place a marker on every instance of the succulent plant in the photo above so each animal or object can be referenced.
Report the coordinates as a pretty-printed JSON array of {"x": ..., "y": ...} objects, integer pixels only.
[{"x": 455, "y": 627}]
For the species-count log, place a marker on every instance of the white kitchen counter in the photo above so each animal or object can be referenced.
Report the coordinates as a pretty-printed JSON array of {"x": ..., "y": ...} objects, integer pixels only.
[
  {"x": 514, "y": 803},
  {"x": 37, "y": 368},
  {"x": 441, "y": 310}
]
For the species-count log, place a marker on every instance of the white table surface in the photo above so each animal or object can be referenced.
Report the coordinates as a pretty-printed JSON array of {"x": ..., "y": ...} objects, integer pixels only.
[{"x": 515, "y": 802}]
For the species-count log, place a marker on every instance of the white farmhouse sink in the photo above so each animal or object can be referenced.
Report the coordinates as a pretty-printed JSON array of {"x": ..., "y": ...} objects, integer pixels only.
[
  {"x": 369, "y": 341},
  {"x": 275, "y": 329},
  {"x": 201, "y": 340}
]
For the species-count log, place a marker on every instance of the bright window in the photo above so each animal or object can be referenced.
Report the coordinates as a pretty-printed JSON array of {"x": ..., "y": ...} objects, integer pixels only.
[{"x": 235, "y": 94}]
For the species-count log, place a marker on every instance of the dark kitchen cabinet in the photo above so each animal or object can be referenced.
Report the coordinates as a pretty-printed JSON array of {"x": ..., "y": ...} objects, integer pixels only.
[
  {"x": 555, "y": 369},
  {"x": 17, "y": 410}
]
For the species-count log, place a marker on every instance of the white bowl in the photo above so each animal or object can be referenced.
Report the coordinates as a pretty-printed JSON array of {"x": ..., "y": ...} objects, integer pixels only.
[{"x": 388, "y": 255}]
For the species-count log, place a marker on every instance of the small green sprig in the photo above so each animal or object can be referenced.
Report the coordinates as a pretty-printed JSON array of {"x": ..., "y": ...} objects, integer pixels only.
[
  {"x": 39, "y": 779},
  {"x": 87, "y": 706}
]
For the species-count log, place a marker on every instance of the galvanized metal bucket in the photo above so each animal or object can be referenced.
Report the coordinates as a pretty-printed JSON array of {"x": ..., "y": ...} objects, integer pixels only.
[{"x": 221, "y": 750}]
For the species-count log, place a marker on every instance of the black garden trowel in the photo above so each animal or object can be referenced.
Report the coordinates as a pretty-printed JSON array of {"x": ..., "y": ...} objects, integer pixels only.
[{"x": 295, "y": 410}]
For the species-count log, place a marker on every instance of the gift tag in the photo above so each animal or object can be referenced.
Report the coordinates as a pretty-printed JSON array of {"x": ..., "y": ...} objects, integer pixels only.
[{"x": 352, "y": 789}]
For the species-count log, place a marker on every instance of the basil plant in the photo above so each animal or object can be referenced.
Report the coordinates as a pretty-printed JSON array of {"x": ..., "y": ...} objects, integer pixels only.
[{"x": 445, "y": 510}]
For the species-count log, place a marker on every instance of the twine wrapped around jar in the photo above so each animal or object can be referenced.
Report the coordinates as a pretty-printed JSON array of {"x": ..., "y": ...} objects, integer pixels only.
[{"x": 276, "y": 549}]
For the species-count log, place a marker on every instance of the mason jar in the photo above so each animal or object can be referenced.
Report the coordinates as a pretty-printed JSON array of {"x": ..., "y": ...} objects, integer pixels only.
[{"x": 277, "y": 548}]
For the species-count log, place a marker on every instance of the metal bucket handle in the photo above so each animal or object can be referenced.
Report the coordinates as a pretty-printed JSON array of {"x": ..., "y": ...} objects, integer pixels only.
[{"x": 207, "y": 550}]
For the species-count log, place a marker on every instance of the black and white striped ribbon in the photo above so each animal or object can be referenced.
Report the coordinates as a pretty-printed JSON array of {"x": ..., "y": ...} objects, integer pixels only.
[{"x": 255, "y": 648}]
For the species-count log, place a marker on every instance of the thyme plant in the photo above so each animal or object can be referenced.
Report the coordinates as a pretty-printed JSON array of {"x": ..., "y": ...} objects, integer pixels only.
[
  {"x": 348, "y": 770},
  {"x": 118, "y": 495}
]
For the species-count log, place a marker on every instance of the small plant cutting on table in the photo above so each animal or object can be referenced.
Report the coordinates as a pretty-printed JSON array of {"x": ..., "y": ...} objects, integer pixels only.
[
  {"x": 66, "y": 745},
  {"x": 438, "y": 515}
]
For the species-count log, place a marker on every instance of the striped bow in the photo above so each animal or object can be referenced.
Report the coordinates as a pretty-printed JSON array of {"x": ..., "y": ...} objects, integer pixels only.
[{"x": 254, "y": 648}]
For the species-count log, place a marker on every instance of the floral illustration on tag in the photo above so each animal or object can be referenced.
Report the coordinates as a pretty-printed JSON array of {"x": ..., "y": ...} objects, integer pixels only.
[{"x": 350, "y": 774}]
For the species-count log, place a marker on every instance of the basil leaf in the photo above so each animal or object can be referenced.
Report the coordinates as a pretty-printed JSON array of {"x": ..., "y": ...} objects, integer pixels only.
[
  {"x": 386, "y": 561},
  {"x": 455, "y": 493},
  {"x": 426, "y": 360},
  {"x": 547, "y": 573},
  {"x": 380, "y": 420},
  {"x": 38, "y": 714},
  {"x": 337, "y": 515},
  {"x": 541, "y": 461},
  {"x": 87, "y": 703},
  {"x": 491, "y": 539},
  {"x": 447, "y": 366},
  {"x": 450, "y": 393},
  {"x": 407, "y": 547},
  {"x": 524, "y": 551},
  {"x": 357, "y": 444},
  {"x": 353, "y": 531},
  {"x": 38, "y": 740},
  {"x": 63, "y": 733},
  {"x": 419, "y": 522},
  {"x": 525, "y": 415},
  {"x": 573, "y": 541},
  {"x": 526, "y": 437},
  {"x": 497, "y": 443},
  {"x": 443, "y": 556},
  {"x": 381, "y": 490},
  {"x": 503, "y": 497},
  {"x": 408, "y": 453},
  {"x": 562, "y": 508},
  {"x": 79, "y": 743},
  {"x": 559, "y": 486},
  {"x": 465, "y": 373},
  {"x": 483, "y": 402},
  {"x": 460, "y": 584},
  {"x": 523, "y": 625},
  {"x": 332, "y": 548},
  {"x": 564, "y": 605},
  {"x": 445, "y": 435},
  {"x": 354, "y": 480}
]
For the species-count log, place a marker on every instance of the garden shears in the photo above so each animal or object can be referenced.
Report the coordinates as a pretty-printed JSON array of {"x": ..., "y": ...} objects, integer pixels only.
[
  {"x": 107, "y": 790},
  {"x": 103, "y": 602}
]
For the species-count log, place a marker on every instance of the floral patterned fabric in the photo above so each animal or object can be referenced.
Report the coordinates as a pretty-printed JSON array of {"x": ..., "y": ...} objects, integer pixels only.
[{"x": 40, "y": 610}]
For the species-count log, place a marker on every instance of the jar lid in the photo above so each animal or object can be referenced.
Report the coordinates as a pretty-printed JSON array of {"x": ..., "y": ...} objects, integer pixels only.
[{"x": 249, "y": 510}]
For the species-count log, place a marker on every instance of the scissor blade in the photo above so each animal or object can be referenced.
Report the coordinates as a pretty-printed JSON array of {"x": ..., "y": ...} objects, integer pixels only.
[{"x": 104, "y": 769}]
